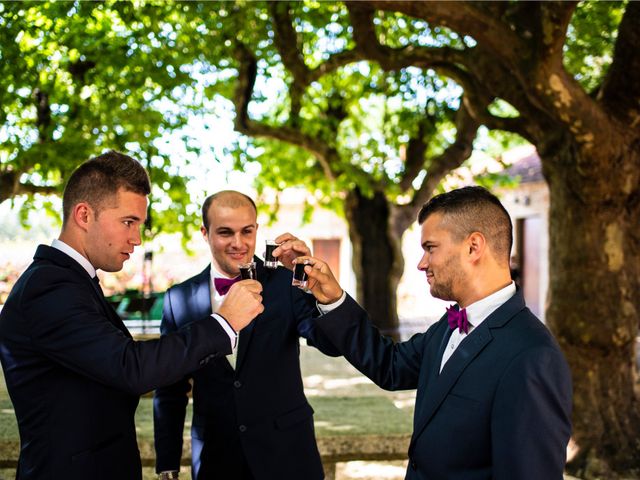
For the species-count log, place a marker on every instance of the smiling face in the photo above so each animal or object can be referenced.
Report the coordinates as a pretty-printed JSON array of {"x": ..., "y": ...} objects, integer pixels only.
[
  {"x": 114, "y": 231},
  {"x": 231, "y": 236},
  {"x": 442, "y": 259}
]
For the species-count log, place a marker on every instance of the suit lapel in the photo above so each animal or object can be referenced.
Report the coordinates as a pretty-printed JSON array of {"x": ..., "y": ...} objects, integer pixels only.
[
  {"x": 442, "y": 382},
  {"x": 201, "y": 294},
  {"x": 439, "y": 386},
  {"x": 111, "y": 314}
]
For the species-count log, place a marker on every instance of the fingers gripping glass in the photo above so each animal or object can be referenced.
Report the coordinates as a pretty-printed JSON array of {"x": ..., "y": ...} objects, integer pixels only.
[{"x": 300, "y": 277}]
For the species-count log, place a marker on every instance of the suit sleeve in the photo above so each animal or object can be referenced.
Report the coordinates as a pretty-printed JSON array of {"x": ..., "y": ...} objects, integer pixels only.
[
  {"x": 169, "y": 407},
  {"x": 392, "y": 366},
  {"x": 531, "y": 418},
  {"x": 304, "y": 311},
  {"x": 68, "y": 324}
]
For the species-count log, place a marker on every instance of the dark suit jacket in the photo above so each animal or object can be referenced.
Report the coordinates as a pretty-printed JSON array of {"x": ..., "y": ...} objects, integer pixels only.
[
  {"x": 74, "y": 373},
  {"x": 501, "y": 407},
  {"x": 256, "y": 416}
]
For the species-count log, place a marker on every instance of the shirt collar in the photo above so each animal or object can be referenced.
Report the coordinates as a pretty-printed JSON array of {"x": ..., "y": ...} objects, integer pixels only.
[
  {"x": 77, "y": 256},
  {"x": 478, "y": 311},
  {"x": 216, "y": 274}
]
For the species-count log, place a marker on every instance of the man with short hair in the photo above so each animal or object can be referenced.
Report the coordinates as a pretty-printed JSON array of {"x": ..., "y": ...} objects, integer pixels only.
[
  {"x": 73, "y": 372},
  {"x": 251, "y": 419},
  {"x": 494, "y": 389}
]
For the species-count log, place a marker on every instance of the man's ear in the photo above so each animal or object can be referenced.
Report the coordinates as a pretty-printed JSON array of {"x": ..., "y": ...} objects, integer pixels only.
[
  {"x": 82, "y": 214},
  {"x": 477, "y": 244},
  {"x": 203, "y": 230}
]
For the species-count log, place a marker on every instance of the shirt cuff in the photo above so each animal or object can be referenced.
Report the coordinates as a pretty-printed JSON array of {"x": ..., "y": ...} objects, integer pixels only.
[
  {"x": 233, "y": 336},
  {"x": 332, "y": 306}
]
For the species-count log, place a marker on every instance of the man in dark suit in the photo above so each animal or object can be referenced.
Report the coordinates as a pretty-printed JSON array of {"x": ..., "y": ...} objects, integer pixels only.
[
  {"x": 494, "y": 389},
  {"x": 251, "y": 419},
  {"x": 73, "y": 372}
]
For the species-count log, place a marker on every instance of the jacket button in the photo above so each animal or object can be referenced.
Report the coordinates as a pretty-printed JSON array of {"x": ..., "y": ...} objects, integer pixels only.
[
  {"x": 237, "y": 384},
  {"x": 242, "y": 428}
]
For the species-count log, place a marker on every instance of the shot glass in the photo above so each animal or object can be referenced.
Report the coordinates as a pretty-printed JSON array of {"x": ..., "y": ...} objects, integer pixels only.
[
  {"x": 248, "y": 271},
  {"x": 269, "y": 260},
  {"x": 300, "y": 277}
]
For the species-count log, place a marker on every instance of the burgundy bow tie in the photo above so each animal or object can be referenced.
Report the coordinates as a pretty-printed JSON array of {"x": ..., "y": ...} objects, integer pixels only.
[
  {"x": 224, "y": 284},
  {"x": 457, "y": 319}
]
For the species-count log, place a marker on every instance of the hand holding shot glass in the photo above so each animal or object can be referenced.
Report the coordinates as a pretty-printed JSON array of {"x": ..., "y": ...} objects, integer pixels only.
[
  {"x": 318, "y": 280},
  {"x": 288, "y": 248},
  {"x": 300, "y": 277}
]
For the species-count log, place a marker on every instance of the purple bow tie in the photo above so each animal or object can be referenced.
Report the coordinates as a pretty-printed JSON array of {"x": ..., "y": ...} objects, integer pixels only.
[
  {"x": 224, "y": 284},
  {"x": 457, "y": 319}
]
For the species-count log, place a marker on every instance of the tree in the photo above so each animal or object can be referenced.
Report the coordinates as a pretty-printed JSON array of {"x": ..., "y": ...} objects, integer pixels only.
[
  {"x": 77, "y": 78},
  {"x": 370, "y": 141},
  {"x": 581, "y": 110}
]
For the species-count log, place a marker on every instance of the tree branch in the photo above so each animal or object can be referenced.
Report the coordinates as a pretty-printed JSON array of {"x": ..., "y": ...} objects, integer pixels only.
[
  {"x": 416, "y": 152},
  {"x": 286, "y": 41},
  {"x": 464, "y": 17},
  {"x": 247, "y": 73},
  {"x": 369, "y": 46},
  {"x": 43, "y": 109},
  {"x": 555, "y": 20},
  {"x": 10, "y": 186},
  {"x": 620, "y": 91},
  {"x": 452, "y": 158},
  {"x": 288, "y": 46}
]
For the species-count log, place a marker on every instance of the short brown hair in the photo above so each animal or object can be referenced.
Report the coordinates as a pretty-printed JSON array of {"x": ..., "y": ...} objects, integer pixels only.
[
  {"x": 473, "y": 209},
  {"x": 227, "y": 198},
  {"x": 97, "y": 180}
]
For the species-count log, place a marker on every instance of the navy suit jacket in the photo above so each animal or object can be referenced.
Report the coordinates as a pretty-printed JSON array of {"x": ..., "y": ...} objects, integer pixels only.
[
  {"x": 74, "y": 373},
  {"x": 256, "y": 416},
  {"x": 501, "y": 407}
]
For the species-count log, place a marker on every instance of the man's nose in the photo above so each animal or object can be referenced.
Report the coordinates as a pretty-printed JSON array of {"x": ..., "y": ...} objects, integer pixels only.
[
  {"x": 136, "y": 238},
  {"x": 236, "y": 240},
  {"x": 423, "y": 264}
]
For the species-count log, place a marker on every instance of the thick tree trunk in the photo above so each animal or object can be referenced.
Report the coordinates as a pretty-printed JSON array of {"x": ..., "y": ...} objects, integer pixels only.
[
  {"x": 594, "y": 299},
  {"x": 377, "y": 258}
]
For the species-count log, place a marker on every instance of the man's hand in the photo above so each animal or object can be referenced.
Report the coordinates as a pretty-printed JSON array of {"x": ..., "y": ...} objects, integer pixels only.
[
  {"x": 290, "y": 248},
  {"x": 242, "y": 303},
  {"x": 321, "y": 283}
]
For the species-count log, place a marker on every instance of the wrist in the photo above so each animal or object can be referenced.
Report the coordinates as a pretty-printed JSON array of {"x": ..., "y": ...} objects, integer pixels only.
[{"x": 336, "y": 298}]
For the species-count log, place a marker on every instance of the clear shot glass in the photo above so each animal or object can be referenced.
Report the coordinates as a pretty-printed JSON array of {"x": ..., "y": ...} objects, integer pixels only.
[
  {"x": 269, "y": 260},
  {"x": 248, "y": 271},
  {"x": 300, "y": 277}
]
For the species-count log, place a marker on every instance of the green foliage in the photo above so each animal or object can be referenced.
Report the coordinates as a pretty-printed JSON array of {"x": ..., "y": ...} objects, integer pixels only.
[
  {"x": 78, "y": 78},
  {"x": 590, "y": 41}
]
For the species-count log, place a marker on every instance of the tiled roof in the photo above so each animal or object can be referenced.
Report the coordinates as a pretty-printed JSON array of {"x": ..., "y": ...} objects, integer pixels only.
[{"x": 528, "y": 166}]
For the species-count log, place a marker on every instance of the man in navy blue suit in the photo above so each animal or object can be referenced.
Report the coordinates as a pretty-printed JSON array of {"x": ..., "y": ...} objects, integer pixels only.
[
  {"x": 493, "y": 388},
  {"x": 73, "y": 372},
  {"x": 251, "y": 419}
]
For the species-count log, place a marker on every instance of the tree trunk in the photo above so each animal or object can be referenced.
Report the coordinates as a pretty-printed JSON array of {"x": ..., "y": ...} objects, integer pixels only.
[
  {"x": 377, "y": 258},
  {"x": 594, "y": 298}
]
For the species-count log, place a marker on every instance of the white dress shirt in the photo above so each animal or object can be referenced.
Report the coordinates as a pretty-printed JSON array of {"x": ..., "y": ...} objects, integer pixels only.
[
  {"x": 77, "y": 256},
  {"x": 216, "y": 301},
  {"x": 477, "y": 312}
]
